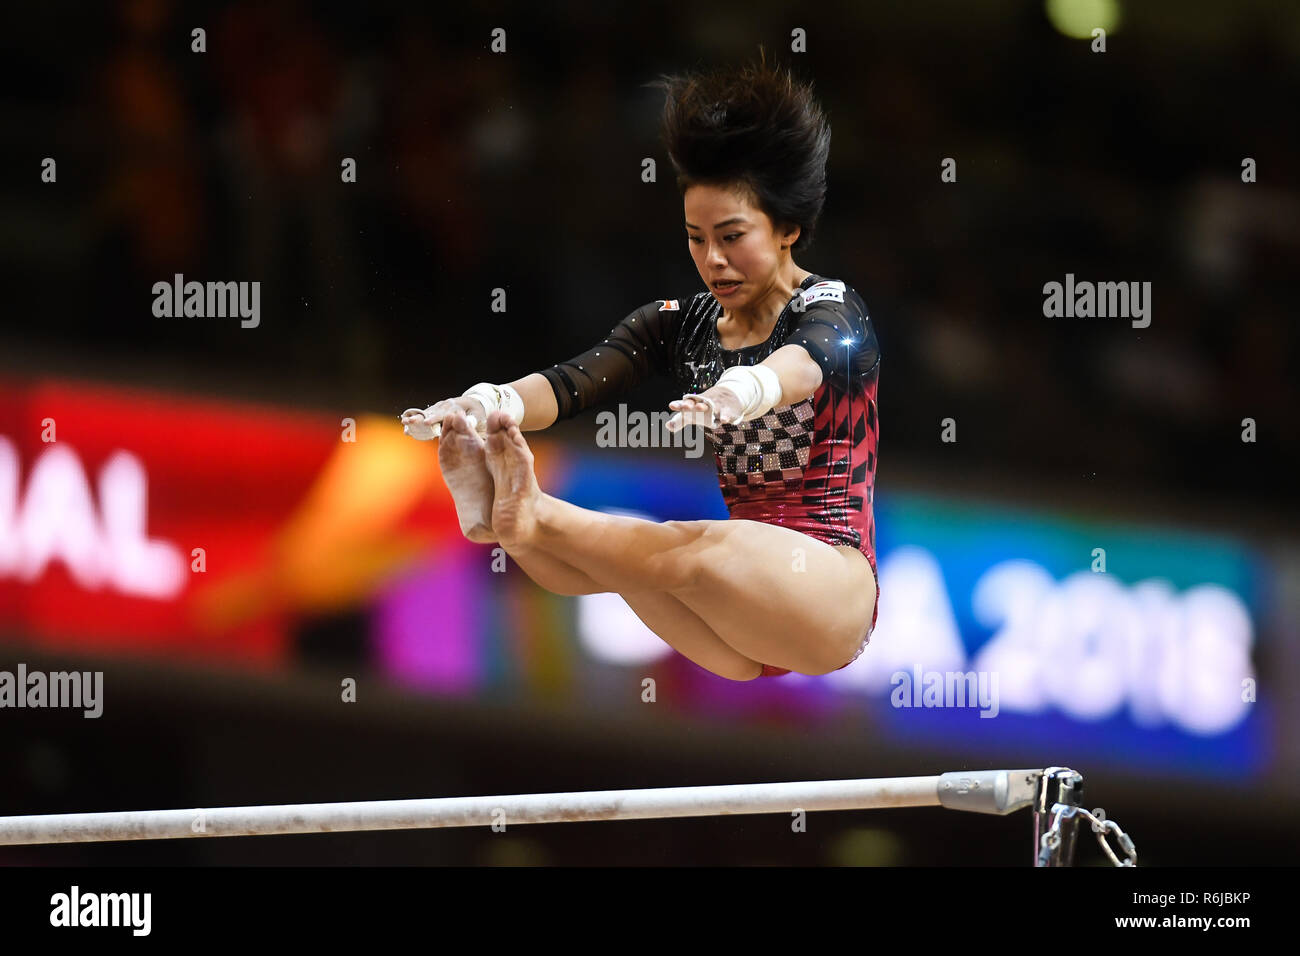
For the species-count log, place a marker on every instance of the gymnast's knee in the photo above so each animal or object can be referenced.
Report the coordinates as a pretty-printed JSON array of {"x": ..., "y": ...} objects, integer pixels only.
[{"x": 684, "y": 567}]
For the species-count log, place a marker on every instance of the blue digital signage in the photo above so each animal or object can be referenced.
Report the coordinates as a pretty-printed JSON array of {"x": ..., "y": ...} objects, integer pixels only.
[{"x": 1001, "y": 630}]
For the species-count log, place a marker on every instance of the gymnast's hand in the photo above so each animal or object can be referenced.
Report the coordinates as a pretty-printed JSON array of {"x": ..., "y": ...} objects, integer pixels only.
[
  {"x": 426, "y": 424},
  {"x": 708, "y": 409}
]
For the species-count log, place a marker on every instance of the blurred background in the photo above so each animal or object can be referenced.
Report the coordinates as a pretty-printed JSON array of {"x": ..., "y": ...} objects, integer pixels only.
[{"x": 228, "y": 523}]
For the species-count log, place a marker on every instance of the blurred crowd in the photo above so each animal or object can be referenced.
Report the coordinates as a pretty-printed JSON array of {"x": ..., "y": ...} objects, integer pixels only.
[{"x": 522, "y": 170}]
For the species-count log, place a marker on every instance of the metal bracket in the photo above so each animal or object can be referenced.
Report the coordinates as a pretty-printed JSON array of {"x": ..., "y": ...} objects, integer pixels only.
[
  {"x": 989, "y": 791},
  {"x": 1054, "y": 840}
]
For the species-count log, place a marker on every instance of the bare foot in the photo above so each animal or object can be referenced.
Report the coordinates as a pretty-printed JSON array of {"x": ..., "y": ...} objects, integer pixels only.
[
  {"x": 510, "y": 462},
  {"x": 464, "y": 468}
]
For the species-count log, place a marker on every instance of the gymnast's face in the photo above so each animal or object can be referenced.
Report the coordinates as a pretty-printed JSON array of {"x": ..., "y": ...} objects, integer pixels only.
[{"x": 735, "y": 245}]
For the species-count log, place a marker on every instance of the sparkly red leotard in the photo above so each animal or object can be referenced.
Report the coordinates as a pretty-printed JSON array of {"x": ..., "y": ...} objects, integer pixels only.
[{"x": 809, "y": 466}]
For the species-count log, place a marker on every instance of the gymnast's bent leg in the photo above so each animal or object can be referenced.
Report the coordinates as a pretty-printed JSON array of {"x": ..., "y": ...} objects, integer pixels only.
[
  {"x": 461, "y": 457},
  {"x": 772, "y": 594}
]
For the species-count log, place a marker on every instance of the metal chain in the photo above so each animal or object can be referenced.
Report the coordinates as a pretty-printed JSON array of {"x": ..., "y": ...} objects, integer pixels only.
[{"x": 1051, "y": 841}]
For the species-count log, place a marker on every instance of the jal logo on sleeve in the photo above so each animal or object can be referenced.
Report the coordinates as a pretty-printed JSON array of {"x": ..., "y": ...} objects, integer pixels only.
[{"x": 831, "y": 289}]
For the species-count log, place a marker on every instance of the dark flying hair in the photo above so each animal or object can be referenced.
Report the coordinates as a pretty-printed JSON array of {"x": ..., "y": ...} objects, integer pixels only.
[{"x": 753, "y": 127}]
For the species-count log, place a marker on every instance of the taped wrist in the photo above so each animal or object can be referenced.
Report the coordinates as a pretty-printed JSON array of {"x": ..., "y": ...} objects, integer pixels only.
[
  {"x": 757, "y": 387},
  {"x": 497, "y": 398}
]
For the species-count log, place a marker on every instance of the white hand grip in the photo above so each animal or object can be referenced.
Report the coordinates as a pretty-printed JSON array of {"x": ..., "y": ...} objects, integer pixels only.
[{"x": 422, "y": 431}]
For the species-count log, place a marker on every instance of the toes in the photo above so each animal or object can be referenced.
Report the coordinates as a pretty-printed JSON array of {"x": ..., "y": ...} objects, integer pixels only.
[
  {"x": 502, "y": 429},
  {"x": 495, "y": 441},
  {"x": 460, "y": 424},
  {"x": 512, "y": 434},
  {"x": 507, "y": 450},
  {"x": 500, "y": 421}
]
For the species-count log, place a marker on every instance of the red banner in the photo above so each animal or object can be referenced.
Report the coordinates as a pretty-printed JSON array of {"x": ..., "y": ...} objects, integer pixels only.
[{"x": 136, "y": 521}]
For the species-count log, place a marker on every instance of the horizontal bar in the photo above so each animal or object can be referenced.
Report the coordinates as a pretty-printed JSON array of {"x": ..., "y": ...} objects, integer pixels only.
[{"x": 988, "y": 791}]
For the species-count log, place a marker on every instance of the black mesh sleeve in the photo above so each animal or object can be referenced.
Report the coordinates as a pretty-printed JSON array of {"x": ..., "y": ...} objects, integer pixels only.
[
  {"x": 836, "y": 331},
  {"x": 637, "y": 348}
]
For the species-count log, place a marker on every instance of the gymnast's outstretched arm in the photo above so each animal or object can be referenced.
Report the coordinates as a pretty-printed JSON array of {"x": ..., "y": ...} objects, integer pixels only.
[{"x": 635, "y": 349}]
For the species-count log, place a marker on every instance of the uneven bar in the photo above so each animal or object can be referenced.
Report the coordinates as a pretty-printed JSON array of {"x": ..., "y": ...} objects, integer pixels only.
[{"x": 985, "y": 791}]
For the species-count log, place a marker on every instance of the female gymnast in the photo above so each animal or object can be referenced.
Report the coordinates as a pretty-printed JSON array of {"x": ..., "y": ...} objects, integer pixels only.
[{"x": 780, "y": 364}]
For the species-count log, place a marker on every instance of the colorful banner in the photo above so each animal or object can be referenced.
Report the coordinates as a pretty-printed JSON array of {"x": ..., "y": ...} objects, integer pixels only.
[{"x": 182, "y": 527}]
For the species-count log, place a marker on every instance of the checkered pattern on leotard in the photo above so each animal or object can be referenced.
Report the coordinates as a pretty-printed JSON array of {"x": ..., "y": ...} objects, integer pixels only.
[
  {"x": 756, "y": 457},
  {"x": 792, "y": 466}
]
